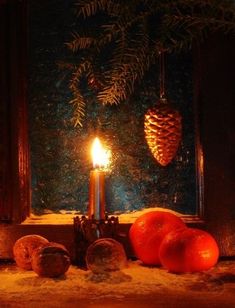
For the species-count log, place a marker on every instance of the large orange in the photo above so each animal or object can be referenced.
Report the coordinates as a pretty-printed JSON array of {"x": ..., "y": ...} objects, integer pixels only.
[
  {"x": 188, "y": 250},
  {"x": 148, "y": 231}
]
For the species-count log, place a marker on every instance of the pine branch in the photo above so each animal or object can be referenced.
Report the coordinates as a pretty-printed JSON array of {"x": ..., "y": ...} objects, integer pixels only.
[
  {"x": 122, "y": 49},
  {"x": 78, "y": 102},
  {"x": 79, "y": 42},
  {"x": 128, "y": 65},
  {"x": 183, "y": 29},
  {"x": 195, "y": 24},
  {"x": 188, "y": 21},
  {"x": 79, "y": 105},
  {"x": 90, "y": 8}
]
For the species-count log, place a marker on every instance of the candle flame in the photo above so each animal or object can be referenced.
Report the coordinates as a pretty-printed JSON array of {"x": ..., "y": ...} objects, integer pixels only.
[{"x": 100, "y": 156}]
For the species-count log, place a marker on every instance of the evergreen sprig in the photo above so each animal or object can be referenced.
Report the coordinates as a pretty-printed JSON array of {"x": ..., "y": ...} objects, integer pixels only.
[{"x": 128, "y": 36}]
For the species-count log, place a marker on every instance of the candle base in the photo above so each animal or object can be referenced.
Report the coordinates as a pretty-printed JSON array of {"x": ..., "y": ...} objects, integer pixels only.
[{"x": 87, "y": 230}]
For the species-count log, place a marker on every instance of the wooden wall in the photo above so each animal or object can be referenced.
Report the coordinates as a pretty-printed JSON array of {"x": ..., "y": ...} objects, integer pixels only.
[{"x": 215, "y": 95}]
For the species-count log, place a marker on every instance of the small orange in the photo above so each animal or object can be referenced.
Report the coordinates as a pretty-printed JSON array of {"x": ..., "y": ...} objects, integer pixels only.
[
  {"x": 148, "y": 231},
  {"x": 188, "y": 250}
]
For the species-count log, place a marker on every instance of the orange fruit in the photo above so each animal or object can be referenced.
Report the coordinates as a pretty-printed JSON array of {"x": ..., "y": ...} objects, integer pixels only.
[
  {"x": 148, "y": 231},
  {"x": 188, "y": 250}
]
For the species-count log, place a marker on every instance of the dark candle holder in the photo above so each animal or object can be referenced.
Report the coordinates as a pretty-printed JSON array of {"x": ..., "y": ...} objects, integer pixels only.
[{"x": 87, "y": 230}]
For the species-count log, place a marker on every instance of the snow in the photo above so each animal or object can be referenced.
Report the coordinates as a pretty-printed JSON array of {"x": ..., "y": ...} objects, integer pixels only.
[
  {"x": 67, "y": 217},
  {"x": 20, "y": 288}
]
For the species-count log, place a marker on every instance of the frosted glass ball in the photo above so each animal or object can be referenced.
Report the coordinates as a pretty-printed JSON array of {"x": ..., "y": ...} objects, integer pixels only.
[{"x": 105, "y": 255}]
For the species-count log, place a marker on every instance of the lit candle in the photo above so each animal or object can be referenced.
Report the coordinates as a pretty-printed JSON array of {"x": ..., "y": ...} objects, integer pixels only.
[{"x": 100, "y": 159}]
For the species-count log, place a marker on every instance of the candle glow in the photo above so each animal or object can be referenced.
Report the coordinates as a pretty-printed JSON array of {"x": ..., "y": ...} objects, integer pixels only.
[
  {"x": 101, "y": 159},
  {"x": 100, "y": 156}
]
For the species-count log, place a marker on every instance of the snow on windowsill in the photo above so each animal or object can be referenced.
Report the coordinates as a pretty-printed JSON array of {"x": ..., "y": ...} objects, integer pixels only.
[{"x": 64, "y": 217}]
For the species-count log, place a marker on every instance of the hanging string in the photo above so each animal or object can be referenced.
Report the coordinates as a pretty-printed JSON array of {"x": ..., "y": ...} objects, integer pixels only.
[{"x": 162, "y": 74}]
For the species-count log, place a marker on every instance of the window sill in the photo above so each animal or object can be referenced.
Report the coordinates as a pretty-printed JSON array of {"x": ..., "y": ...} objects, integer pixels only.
[
  {"x": 66, "y": 218},
  {"x": 59, "y": 228}
]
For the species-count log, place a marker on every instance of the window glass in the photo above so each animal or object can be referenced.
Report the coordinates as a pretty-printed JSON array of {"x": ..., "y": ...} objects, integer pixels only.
[{"x": 60, "y": 153}]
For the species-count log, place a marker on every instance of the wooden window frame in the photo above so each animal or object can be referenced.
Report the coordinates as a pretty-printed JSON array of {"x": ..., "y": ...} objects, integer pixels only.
[
  {"x": 15, "y": 194},
  {"x": 15, "y": 180}
]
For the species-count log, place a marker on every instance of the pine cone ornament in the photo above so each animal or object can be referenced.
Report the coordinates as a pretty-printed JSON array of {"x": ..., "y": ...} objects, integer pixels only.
[{"x": 163, "y": 131}]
